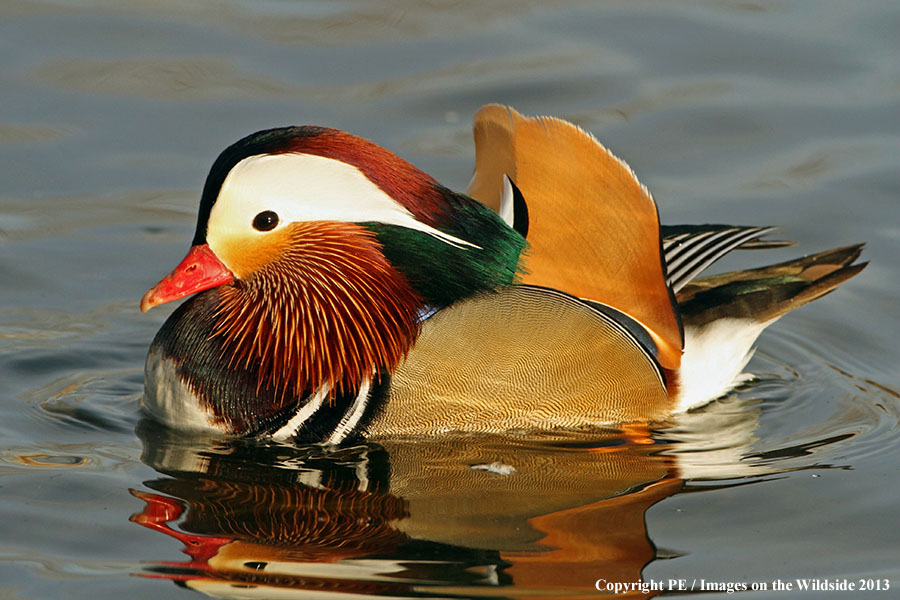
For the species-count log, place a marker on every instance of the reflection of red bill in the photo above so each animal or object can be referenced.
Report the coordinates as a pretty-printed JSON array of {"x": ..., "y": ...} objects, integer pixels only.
[{"x": 157, "y": 515}]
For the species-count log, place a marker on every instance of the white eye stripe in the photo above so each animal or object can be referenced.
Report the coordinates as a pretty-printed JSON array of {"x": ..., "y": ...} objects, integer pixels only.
[{"x": 306, "y": 187}]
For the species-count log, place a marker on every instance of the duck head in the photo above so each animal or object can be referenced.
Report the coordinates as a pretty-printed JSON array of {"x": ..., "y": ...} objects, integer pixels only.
[{"x": 316, "y": 255}]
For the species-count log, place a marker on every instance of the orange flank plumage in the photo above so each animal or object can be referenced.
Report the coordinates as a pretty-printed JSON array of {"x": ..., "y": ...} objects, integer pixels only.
[
  {"x": 329, "y": 310},
  {"x": 593, "y": 228}
]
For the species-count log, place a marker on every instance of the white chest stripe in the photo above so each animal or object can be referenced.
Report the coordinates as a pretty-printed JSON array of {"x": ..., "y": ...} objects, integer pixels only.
[
  {"x": 344, "y": 428},
  {"x": 353, "y": 415},
  {"x": 290, "y": 428},
  {"x": 306, "y": 187}
]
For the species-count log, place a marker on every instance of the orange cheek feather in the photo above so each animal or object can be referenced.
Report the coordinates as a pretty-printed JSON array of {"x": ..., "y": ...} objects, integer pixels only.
[
  {"x": 320, "y": 304},
  {"x": 247, "y": 254}
]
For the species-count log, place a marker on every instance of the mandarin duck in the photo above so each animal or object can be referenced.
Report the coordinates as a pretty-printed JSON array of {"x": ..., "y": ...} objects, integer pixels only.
[{"x": 339, "y": 292}]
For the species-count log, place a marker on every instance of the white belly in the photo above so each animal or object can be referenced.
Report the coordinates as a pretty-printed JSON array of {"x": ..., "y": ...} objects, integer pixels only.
[{"x": 170, "y": 400}]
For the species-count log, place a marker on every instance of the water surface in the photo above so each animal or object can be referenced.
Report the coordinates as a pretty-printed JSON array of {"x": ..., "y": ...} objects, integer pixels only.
[{"x": 752, "y": 113}]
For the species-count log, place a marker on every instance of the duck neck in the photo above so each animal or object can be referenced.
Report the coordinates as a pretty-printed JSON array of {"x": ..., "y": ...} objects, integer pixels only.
[{"x": 442, "y": 272}]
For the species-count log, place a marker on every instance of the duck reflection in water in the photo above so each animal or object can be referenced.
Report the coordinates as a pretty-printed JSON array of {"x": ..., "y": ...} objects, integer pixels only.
[{"x": 454, "y": 516}]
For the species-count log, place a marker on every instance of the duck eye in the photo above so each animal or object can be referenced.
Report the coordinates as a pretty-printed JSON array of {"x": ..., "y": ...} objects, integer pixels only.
[{"x": 265, "y": 221}]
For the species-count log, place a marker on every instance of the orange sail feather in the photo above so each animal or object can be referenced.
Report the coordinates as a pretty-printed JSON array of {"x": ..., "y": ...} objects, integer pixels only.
[{"x": 593, "y": 228}]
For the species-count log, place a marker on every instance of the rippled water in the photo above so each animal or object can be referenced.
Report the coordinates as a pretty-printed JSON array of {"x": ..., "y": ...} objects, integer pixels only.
[{"x": 752, "y": 113}]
